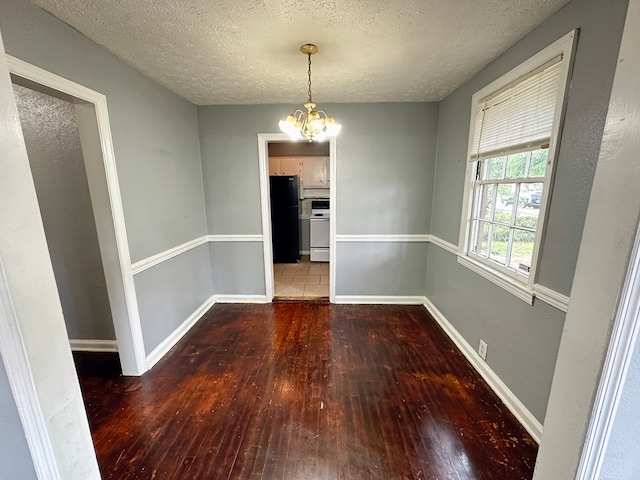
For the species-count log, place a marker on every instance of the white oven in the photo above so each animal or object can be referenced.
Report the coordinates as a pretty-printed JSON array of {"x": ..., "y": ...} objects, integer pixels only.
[{"x": 319, "y": 231}]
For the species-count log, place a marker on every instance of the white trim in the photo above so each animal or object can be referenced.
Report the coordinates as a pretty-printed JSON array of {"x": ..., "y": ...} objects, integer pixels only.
[
  {"x": 564, "y": 46},
  {"x": 235, "y": 238},
  {"x": 507, "y": 283},
  {"x": 265, "y": 204},
  {"x": 232, "y": 298},
  {"x": 81, "y": 345},
  {"x": 614, "y": 373},
  {"x": 545, "y": 294},
  {"x": 333, "y": 209},
  {"x": 384, "y": 238},
  {"x": 379, "y": 299},
  {"x": 553, "y": 298},
  {"x": 448, "y": 246},
  {"x": 158, "y": 258},
  {"x": 167, "y": 344},
  {"x": 305, "y": 252},
  {"x": 128, "y": 330},
  {"x": 51, "y": 80},
  {"x": 23, "y": 387},
  {"x": 524, "y": 416},
  {"x": 133, "y": 330},
  {"x": 154, "y": 260},
  {"x": 265, "y": 207}
]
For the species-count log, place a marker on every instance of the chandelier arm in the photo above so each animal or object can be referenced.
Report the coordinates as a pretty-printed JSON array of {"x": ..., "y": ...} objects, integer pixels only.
[{"x": 305, "y": 128}]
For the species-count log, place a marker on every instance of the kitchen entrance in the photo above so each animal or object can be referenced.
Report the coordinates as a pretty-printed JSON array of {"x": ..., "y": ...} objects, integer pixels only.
[{"x": 299, "y": 192}]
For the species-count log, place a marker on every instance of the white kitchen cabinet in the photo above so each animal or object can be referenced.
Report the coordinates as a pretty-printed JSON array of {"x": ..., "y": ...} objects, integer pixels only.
[
  {"x": 274, "y": 166},
  {"x": 284, "y": 166},
  {"x": 290, "y": 165},
  {"x": 315, "y": 172}
]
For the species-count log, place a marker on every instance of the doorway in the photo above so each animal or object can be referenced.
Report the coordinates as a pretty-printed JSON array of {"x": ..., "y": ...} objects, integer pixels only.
[
  {"x": 95, "y": 138},
  {"x": 54, "y": 147},
  {"x": 301, "y": 271}
]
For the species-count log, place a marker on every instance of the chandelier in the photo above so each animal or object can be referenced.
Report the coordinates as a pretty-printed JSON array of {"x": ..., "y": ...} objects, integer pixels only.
[{"x": 314, "y": 125}]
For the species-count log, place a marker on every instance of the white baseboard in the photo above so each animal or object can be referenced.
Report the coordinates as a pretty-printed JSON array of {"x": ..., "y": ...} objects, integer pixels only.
[
  {"x": 175, "y": 336},
  {"x": 168, "y": 343},
  {"x": 241, "y": 299},
  {"x": 379, "y": 299},
  {"x": 81, "y": 345},
  {"x": 524, "y": 416}
]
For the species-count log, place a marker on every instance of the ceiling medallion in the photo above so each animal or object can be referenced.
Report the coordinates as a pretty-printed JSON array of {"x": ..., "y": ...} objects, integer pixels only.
[{"x": 313, "y": 125}]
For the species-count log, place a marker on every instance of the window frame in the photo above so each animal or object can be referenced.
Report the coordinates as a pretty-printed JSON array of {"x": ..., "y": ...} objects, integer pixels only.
[{"x": 519, "y": 285}]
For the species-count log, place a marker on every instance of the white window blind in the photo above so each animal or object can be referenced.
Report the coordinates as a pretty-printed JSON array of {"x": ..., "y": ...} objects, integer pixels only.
[{"x": 518, "y": 117}]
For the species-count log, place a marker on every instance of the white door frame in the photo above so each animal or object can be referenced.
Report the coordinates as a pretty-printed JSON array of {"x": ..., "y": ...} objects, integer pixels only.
[
  {"x": 601, "y": 326},
  {"x": 24, "y": 388},
  {"x": 625, "y": 333},
  {"x": 620, "y": 143},
  {"x": 109, "y": 215},
  {"x": 265, "y": 201}
]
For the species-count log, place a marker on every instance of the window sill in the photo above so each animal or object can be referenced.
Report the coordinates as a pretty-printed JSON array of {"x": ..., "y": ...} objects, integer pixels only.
[{"x": 507, "y": 283}]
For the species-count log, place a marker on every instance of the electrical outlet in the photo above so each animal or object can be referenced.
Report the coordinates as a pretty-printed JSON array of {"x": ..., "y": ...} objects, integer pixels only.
[{"x": 482, "y": 349}]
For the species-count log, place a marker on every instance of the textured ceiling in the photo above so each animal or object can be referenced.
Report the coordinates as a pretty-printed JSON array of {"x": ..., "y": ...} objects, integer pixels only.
[{"x": 246, "y": 51}]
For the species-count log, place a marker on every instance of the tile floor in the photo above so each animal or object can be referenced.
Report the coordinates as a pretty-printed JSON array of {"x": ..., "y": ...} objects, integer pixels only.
[{"x": 301, "y": 280}]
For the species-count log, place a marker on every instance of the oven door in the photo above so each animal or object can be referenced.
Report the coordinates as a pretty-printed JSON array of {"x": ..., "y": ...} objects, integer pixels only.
[{"x": 319, "y": 233}]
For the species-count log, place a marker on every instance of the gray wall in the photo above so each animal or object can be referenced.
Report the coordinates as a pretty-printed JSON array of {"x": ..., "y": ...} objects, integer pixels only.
[
  {"x": 155, "y": 139},
  {"x": 237, "y": 268},
  {"x": 532, "y": 331},
  {"x": 523, "y": 340},
  {"x": 15, "y": 457},
  {"x": 52, "y": 138},
  {"x": 389, "y": 268},
  {"x": 189, "y": 285},
  {"x": 386, "y": 159},
  {"x": 154, "y": 131},
  {"x": 385, "y": 163}
]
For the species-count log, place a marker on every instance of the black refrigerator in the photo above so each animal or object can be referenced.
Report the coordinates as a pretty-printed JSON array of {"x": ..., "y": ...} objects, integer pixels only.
[{"x": 284, "y": 219}]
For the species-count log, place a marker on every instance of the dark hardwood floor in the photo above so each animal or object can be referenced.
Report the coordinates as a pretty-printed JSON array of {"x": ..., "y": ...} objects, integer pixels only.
[{"x": 304, "y": 391}]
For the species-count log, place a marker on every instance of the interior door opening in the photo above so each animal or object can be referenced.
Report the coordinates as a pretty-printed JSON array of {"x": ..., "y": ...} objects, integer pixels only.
[
  {"x": 299, "y": 192},
  {"x": 92, "y": 126},
  {"x": 52, "y": 136},
  {"x": 69, "y": 148}
]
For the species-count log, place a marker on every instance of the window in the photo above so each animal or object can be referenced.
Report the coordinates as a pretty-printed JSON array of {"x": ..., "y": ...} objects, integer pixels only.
[{"x": 512, "y": 144}]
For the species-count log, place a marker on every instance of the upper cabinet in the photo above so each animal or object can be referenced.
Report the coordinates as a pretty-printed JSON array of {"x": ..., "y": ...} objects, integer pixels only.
[
  {"x": 315, "y": 172},
  {"x": 284, "y": 166}
]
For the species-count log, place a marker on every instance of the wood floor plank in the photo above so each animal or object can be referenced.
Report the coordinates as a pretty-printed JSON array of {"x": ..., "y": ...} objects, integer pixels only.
[{"x": 295, "y": 390}]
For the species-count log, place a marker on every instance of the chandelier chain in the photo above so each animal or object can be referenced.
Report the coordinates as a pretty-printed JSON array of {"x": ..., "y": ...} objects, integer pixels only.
[{"x": 309, "y": 73}]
